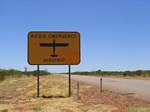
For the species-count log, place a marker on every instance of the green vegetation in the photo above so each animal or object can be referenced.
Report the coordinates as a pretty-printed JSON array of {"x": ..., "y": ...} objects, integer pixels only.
[
  {"x": 143, "y": 73},
  {"x": 41, "y": 72},
  {"x": 16, "y": 73},
  {"x": 131, "y": 109}
]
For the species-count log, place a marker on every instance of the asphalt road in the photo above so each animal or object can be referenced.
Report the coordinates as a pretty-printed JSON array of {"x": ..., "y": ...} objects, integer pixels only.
[{"x": 137, "y": 88}]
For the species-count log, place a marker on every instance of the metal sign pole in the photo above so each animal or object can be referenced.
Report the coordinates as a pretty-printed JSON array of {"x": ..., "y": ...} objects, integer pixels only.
[
  {"x": 69, "y": 80},
  {"x": 101, "y": 85},
  {"x": 78, "y": 90},
  {"x": 38, "y": 81}
]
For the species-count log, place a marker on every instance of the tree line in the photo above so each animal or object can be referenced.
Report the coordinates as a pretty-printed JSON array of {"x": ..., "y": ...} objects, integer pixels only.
[
  {"x": 143, "y": 73},
  {"x": 16, "y": 73}
]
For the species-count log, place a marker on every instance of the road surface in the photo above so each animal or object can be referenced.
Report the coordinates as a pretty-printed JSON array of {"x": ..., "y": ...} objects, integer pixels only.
[{"x": 137, "y": 88}]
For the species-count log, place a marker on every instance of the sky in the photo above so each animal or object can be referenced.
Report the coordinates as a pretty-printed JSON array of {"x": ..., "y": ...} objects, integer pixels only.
[{"x": 115, "y": 34}]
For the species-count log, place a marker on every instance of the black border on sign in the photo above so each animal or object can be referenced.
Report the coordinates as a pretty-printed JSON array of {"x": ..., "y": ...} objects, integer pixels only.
[{"x": 54, "y": 32}]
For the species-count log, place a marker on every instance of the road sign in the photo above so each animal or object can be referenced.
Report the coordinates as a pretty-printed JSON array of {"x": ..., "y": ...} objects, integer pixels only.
[{"x": 53, "y": 48}]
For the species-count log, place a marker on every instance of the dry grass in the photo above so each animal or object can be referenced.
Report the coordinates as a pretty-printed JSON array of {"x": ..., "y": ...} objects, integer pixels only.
[{"x": 19, "y": 95}]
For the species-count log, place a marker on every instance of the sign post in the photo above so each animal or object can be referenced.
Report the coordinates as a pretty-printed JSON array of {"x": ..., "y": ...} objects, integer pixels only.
[
  {"x": 53, "y": 48},
  {"x": 38, "y": 81},
  {"x": 69, "y": 80}
]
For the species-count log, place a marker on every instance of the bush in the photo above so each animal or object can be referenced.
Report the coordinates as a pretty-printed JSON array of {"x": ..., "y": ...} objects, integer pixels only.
[
  {"x": 15, "y": 73},
  {"x": 41, "y": 73},
  {"x": 143, "y": 73}
]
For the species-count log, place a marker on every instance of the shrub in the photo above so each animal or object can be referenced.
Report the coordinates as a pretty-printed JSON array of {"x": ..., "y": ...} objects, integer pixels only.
[{"x": 15, "y": 73}]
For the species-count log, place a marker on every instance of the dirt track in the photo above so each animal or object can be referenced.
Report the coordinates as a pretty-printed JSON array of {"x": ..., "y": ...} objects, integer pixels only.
[{"x": 138, "y": 88}]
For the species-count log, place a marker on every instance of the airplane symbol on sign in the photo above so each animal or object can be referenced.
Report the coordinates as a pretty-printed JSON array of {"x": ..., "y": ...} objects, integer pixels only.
[{"x": 54, "y": 45}]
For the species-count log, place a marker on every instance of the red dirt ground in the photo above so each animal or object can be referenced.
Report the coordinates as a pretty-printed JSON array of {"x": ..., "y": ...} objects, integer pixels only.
[{"x": 93, "y": 96}]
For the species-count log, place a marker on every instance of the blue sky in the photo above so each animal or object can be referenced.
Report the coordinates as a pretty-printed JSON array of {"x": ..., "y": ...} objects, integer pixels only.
[{"x": 115, "y": 34}]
